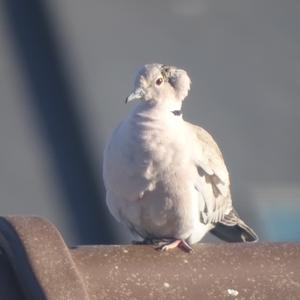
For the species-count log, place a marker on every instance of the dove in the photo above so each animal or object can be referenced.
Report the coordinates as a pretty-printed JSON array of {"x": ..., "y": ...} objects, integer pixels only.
[{"x": 165, "y": 178}]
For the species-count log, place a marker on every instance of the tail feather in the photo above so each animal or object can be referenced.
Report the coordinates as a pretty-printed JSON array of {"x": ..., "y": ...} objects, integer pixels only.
[{"x": 232, "y": 229}]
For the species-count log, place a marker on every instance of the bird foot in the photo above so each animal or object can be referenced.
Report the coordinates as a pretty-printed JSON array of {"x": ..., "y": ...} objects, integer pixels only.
[{"x": 168, "y": 245}]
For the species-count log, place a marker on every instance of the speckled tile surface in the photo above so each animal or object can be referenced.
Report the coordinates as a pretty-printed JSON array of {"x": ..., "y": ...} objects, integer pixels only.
[{"x": 45, "y": 268}]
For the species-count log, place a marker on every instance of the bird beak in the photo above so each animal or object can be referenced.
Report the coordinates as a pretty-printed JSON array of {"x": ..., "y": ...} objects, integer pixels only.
[{"x": 135, "y": 95}]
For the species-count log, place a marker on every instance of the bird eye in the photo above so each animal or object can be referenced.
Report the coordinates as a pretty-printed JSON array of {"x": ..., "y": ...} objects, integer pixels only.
[{"x": 159, "y": 81}]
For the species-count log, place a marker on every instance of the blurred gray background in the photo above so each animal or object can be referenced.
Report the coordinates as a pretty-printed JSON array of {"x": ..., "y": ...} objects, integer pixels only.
[{"x": 67, "y": 66}]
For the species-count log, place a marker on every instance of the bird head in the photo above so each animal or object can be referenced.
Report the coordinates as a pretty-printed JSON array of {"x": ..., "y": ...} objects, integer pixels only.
[{"x": 159, "y": 83}]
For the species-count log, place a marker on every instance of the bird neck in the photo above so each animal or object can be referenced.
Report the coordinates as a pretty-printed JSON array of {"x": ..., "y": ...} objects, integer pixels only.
[
  {"x": 168, "y": 105},
  {"x": 156, "y": 109}
]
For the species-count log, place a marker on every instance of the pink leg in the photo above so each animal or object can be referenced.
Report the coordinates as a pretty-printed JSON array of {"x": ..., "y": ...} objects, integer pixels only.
[{"x": 182, "y": 244}]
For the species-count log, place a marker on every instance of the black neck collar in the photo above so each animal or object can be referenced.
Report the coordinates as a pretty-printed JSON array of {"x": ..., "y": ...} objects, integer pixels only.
[{"x": 177, "y": 112}]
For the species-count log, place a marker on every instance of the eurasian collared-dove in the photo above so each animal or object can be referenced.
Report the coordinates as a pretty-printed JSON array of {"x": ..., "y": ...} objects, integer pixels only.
[{"x": 166, "y": 178}]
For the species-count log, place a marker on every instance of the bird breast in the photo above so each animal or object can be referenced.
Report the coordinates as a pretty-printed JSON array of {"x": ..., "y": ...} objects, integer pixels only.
[
  {"x": 146, "y": 152},
  {"x": 154, "y": 144}
]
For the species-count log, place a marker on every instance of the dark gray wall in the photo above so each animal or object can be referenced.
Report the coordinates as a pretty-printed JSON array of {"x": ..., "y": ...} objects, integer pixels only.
[{"x": 244, "y": 61}]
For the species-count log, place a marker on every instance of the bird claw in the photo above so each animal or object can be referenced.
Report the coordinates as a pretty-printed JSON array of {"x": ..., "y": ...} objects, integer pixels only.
[
  {"x": 165, "y": 244},
  {"x": 168, "y": 245}
]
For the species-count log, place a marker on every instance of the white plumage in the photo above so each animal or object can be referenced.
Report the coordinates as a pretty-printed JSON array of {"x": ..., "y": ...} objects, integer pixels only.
[{"x": 166, "y": 178}]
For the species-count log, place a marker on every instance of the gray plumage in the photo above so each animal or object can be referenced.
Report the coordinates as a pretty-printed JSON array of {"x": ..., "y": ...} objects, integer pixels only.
[{"x": 165, "y": 177}]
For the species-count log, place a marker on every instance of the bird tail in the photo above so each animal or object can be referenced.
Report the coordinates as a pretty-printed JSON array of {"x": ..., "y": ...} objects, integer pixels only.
[{"x": 232, "y": 229}]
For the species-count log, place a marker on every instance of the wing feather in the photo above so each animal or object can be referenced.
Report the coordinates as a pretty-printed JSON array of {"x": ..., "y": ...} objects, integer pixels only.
[{"x": 213, "y": 181}]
